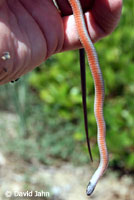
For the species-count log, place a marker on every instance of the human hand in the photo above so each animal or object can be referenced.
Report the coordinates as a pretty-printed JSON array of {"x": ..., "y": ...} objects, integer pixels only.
[{"x": 33, "y": 30}]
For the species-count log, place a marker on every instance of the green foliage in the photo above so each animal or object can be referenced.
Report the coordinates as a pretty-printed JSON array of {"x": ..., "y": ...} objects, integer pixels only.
[
  {"x": 58, "y": 85},
  {"x": 52, "y": 119}
]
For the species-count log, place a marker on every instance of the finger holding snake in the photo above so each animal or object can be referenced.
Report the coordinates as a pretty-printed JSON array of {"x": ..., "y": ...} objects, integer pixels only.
[{"x": 22, "y": 22}]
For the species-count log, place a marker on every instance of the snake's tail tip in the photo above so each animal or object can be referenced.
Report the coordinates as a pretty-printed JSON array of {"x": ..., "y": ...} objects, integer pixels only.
[
  {"x": 90, "y": 154},
  {"x": 92, "y": 158}
]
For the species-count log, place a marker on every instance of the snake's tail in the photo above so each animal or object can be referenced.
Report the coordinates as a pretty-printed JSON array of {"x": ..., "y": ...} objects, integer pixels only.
[{"x": 83, "y": 88}]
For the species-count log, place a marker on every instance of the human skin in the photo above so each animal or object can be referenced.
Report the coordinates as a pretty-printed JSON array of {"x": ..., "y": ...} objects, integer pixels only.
[{"x": 32, "y": 30}]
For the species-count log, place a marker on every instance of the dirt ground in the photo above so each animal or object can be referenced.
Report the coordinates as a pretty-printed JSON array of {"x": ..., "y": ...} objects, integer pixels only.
[{"x": 63, "y": 183}]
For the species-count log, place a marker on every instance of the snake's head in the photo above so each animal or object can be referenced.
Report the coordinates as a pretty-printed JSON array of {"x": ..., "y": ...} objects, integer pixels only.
[{"x": 90, "y": 188}]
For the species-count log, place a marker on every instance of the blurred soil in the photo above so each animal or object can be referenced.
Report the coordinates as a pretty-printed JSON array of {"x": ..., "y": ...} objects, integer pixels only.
[{"x": 63, "y": 182}]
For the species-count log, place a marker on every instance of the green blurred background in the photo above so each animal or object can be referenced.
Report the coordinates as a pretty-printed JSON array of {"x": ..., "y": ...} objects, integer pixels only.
[{"x": 49, "y": 105}]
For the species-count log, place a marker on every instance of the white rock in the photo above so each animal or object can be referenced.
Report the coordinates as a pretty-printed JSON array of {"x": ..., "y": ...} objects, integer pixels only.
[{"x": 2, "y": 160}]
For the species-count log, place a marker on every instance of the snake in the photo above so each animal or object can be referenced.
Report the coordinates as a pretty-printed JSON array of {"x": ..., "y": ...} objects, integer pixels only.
[{"x": 99, "y": 92}]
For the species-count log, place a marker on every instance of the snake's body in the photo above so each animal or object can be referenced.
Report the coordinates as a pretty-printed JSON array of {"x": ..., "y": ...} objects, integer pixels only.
[{"x": 99, "y": 91}]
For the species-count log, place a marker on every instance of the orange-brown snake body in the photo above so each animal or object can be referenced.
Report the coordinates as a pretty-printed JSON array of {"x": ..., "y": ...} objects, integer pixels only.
[{"x": 99, "y": 91}]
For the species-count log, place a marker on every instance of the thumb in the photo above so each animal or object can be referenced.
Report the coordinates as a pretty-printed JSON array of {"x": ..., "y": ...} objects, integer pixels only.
[{"x": 1, "y": 2}]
